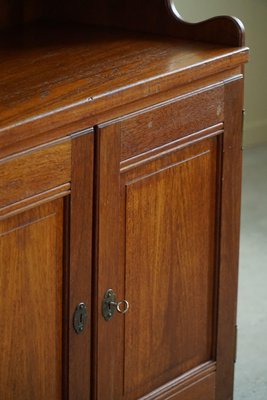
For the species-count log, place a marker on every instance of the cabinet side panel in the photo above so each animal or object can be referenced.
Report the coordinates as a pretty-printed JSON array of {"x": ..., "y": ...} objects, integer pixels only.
[
  {"x": 230, "y": 231},
  {"x": 31, "y": 304}
]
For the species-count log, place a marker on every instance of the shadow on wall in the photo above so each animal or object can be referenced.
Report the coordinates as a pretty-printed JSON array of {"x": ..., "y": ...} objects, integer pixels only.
[{"x": 253, "y": 13}]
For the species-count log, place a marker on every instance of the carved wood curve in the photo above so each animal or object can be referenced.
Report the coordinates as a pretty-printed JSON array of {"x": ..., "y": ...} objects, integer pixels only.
[{"x": 233, "y": 32}]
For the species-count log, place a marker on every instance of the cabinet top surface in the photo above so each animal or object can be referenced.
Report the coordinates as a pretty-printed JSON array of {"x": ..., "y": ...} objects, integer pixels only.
[{"x": 45, "y": 70}]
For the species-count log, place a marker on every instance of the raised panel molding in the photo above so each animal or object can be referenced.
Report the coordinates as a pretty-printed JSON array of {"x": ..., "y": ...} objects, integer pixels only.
[{"x": 34, "y": 171}]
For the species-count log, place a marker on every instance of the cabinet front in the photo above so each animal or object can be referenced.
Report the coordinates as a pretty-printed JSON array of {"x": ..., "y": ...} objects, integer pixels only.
[{"x": 158, "y": 252}]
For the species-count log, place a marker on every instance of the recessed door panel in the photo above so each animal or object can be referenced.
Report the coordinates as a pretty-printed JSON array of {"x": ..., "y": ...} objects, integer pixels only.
[
  {"x": 31, "y": 304},
  {"x": 169, "y": 271}
]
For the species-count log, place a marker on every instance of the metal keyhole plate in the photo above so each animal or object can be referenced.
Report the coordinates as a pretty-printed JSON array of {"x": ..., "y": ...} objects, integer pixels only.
[
  {"x": 79, "y": 318},
  {"x": 109, "y": 304}
]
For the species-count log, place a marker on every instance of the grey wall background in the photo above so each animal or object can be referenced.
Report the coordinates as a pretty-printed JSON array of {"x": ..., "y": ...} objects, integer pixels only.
[{"x": 253, "y": 13}]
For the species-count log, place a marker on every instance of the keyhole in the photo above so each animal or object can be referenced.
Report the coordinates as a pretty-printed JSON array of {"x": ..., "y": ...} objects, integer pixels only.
[{"x": 79, "y": 318}]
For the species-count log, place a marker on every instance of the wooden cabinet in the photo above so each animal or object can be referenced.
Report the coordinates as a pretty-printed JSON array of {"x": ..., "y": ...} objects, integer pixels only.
[{"x": 120, "y": 165}]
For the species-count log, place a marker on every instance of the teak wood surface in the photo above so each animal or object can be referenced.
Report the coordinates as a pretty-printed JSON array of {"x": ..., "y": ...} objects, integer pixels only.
[
  {"x": 120, "y": 164},
  {"x": 56, "y": 80},
  {"x": 31, "y": 254}
]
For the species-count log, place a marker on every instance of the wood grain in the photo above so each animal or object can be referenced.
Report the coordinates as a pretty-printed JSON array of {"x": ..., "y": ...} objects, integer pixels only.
[
  {"x": 56, "y": 76},
  {"x": 152, "y": 199},
  {"x": 180, "y": 143},
  {"x": 197, "y": 384},
  {"x": 199, "y": 390},
  {"x": 161, "y": 208},
  {"x": 106, "y": 272},
  {"x": 31, "y": 304},
  {"x": 29, "y": 173},
  {"x": 33, "y": 201},
  {"x": 230, "y": 233},
  {"x": 40, "y": 133},
  {"x": 159, "y": 281},
  {"x": 169, "y": 121},
  {"x": 80, "y": 269}
]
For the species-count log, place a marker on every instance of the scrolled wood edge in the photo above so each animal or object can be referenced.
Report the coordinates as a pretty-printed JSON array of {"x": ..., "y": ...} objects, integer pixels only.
[{"x": 221, "y": 29}]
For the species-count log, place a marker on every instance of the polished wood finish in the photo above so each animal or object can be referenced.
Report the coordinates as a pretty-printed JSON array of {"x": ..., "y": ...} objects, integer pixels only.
[
  {"x": 178, "y": 309},
  {"x": 34, "y": 171},
  {"x": 150, "y": 194},
  {"x": 170, "y": 121},
  {"x": 31, "y": 246},
  {"x": 230, "y": 231},
  {"x": 120, "y": 165},
  {"x": 80, "y": 268},
  {"x": 38, "y": 199},
  {"x": 50, "y": 80},
  {"x": 198, "y": 384}
]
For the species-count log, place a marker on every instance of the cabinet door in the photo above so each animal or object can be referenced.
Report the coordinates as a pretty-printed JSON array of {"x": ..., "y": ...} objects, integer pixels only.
[
  {"x": 158, "y": 248},
  {"x": 45, "y": 257}
]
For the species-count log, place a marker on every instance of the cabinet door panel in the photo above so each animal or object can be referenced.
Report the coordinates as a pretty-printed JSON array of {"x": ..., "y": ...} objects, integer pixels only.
[
  {"x": 160, "y": 255},
  {"x": 169, "y": 270},
  {"x": 31, "y": 304}
]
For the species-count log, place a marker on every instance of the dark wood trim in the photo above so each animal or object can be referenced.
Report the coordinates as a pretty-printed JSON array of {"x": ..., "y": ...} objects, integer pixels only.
[
  {"x": 229, "y": 245},
  {"x": 95, "y": 275},
  {"x": 222, "y": 29},
  {"x": 65, "y": 300},
  {"x": 106, "y": 254},
  {"x": 34, "y": 171},
  {"x": 217, "y": 237},
  {"x": 40, "y": 131},
  {"x": 175, "y": 145},
  {"x": 218, "y": 86},
  {"x": 81, "y": 209},
  {"x": 88, "y": 112},
  {"x": 186, "y": 382},
  {"x": 40, "y": 198}
]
